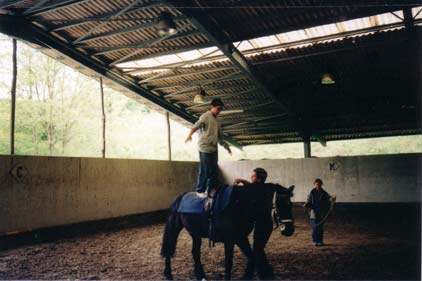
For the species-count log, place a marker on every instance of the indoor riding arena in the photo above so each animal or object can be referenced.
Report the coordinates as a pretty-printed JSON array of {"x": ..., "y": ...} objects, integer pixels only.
[{"x": 306, "y": 73}]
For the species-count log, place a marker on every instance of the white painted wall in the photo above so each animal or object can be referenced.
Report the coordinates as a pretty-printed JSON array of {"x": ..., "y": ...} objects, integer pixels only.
[
  {"x": 377, "y": 178},
  {"x": 58, "y": 191}
]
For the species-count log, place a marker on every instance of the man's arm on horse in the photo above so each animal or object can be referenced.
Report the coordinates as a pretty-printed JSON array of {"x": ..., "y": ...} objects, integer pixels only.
[{"x": 240, "y": 181}]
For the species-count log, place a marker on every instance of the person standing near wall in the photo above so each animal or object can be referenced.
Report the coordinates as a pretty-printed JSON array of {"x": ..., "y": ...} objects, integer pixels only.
[
  {"x": 210, "y": 135},
  {"x": 319, "y": 203}
]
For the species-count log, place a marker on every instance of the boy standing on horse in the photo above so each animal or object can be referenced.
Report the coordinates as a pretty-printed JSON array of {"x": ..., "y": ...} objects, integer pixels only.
[
  {"x": 319, "y": 203},
  {"x": 210, "y": 134}
]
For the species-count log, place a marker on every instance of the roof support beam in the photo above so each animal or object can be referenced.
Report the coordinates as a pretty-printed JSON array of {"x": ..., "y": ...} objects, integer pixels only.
[
  {"x": 266, "y": 129},
  {"x": 172, "y": 51},
  {"x": 220, "y": 96},
  {"x": 263, "y": 136},
  {"x": 231, "y": 76},
  {"x": 156, "y": 76},
  {"x": 180, "y": 75},
  {"x": 196, "y": 83},
  {"x": 154, "y": 41},
  {"x": 6, "y": 3},
  {"x": 102, "y": 17},
  {"x": 216, "y": 35},
  {"x": 125, "y": 30},
  {"x": 140, "y": 45},
  {"x": 116, "y": 15},
  {"x": 209, "y": 89},
  {"x": 254, "y": 121},
  {"x": 131, "y": 70},
  {"x": 271, "y": 141},
  {"x": 178, "y": 64},
  {"x": 54, "y": 6},
  {"x": 319, "y": 138},
  {"x": 245, "y": 108},
  {"x": 34, "y": 7},
  {"x": 409, "y": 21}
]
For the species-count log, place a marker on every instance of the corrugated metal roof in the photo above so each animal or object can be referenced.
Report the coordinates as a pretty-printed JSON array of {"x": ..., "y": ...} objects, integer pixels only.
[{"x": 288, "y": 45}]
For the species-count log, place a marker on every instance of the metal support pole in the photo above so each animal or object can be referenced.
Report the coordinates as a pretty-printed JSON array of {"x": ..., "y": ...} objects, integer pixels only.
[
  {"x": 168, "y": 135},
  {"x": 13, "y": 101},
  {"x": 307, "y": 146},
  {"x": 104, "y": 117}
]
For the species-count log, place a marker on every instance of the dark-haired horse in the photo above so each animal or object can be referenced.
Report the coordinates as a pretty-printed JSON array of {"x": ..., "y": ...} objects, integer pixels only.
[{"x": 249, "y": 208}]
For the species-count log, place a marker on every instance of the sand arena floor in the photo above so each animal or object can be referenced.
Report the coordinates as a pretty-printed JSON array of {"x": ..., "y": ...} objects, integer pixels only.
[{"x": 354, "y": 250}]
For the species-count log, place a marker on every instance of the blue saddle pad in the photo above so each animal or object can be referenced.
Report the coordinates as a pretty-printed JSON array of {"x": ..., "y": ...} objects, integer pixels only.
[{"x": 193, "y": 204}]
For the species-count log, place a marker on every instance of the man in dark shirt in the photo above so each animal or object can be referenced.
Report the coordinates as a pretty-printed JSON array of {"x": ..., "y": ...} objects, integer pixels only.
[{"x": 263, "y": 220}]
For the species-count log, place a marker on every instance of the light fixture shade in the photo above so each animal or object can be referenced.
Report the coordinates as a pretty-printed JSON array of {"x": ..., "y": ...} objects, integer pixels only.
[
  {"x": 327, "y": 79},
  {"x": 199, "y": 97},
  {"x": 232, "y": 111},
  {"x": 165, "y": 25}
]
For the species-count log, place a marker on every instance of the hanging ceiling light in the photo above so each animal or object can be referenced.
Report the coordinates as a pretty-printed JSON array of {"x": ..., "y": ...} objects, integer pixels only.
[
  {"x": 327, "y": 79},
  {"x": 165, "y": 25},
  {"x": 199, "y": 97}
]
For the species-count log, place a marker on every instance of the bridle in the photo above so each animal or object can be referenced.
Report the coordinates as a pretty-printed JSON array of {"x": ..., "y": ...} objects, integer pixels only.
[
  {"x": 276, "y": 218},
  {"x": 281, "y": 223}
]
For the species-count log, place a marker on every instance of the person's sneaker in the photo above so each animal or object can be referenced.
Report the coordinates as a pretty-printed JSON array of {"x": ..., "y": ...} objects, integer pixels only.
[
  {"x": 320, "y": 244},
  {"x": 201, "y": 194},
  {"x": 315, "y": 244}
]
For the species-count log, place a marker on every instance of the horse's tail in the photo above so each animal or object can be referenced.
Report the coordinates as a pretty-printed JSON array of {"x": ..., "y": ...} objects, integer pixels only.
[{"x": 172, "y": 229}]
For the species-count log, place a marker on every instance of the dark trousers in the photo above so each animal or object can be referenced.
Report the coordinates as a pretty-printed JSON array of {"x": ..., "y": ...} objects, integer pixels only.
[
  {"x": 208, "y": 171},
  {"x": 317, "y": 231},
  {"x": 262, "y": 233}
]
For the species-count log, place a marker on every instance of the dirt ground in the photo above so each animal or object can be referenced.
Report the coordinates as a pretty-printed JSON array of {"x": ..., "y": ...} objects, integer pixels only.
[{"x": 354, "y": 250}]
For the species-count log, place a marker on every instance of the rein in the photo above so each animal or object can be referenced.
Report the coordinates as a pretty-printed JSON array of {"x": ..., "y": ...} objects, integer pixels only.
[{"x": 326, "y": 216}]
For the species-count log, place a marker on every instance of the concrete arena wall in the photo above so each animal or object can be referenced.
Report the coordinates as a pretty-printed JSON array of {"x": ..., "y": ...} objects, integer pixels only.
[
  {"x": 360, "y": 179},
  {"x": 59, "y": 191}
]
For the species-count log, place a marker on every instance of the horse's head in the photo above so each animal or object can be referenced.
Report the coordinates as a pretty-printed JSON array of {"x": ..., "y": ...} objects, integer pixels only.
[{"x": 284, "y": 216}]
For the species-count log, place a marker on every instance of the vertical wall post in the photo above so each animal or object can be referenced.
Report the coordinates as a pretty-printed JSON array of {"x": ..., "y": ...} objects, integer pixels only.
[
  {"x": 168, "y": 135},
  {"x": 13, "y": 99},
  {"x": 104, "y": 118},
  {"x": 307, "y": 146}
]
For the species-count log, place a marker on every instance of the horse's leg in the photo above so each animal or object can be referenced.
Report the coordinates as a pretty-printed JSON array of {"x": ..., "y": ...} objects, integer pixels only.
[
  {"x": 245, "y": 247},
  {"x": 228, "y": 252},
  {"x": 171, "y": 233},
  {"x": 196, "y": 253},
  {"x": 167, "y": 270}
]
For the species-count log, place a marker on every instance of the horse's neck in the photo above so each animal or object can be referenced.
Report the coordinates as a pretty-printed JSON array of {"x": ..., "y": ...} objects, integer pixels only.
[{"x": 251, "y": 198}]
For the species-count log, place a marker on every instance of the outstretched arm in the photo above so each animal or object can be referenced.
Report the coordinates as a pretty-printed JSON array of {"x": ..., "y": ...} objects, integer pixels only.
[
  {"x": 221, "y": 140},
  {"x": 191, "y": 132},
  {"x": 200, "y": 123}
]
